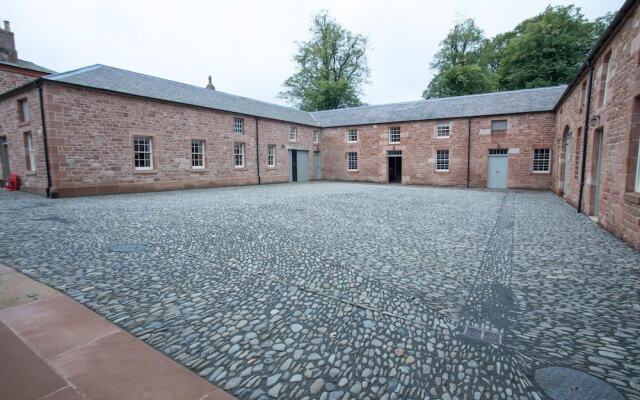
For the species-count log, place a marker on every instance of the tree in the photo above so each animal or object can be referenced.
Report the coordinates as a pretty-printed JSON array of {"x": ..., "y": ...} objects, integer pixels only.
[
  {"x": 547, "y": 49},
  {"x": 331, "y": 68},
  {"x": 461, "y": 63}
]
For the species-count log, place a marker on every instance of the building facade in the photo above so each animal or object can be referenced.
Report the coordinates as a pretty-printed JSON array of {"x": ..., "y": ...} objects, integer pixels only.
[{"x": 102, "y": 130}]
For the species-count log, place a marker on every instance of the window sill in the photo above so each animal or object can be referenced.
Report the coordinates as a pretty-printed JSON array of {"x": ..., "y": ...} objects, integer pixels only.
[
  {"x": 394, "y": 142},
  {"x": 271, "y": 167},
  {"x": 239, "y": 168},
  {"x": 145, "y": 171},
  {"x": 353, "y": 170},
  {"x": 443, "y": 137},
  {"x": 351, "y": 142},
  {"x": 632, "y": 197},
  {"x": 442, "y": 170},
  {"x": 498, "y": 132},
  {"x": 199, "y": 170},
  {"x": 541, "y": 172}
]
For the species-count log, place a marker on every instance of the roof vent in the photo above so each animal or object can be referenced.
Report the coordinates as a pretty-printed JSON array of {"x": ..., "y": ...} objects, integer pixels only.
[
  {"x": 7, "y": 26},
  {"x": 210, "y": 85}
]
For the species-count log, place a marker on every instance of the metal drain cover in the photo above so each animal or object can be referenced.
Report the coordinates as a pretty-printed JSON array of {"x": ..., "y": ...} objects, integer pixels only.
[
  {"x": 127, "y": 248},
  {"x": 569, "y": 384}
]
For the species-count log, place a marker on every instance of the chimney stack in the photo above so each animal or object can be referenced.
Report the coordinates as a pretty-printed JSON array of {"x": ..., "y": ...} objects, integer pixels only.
[
  {"x": 8, "y": 51},
  {"x": 210, "y": 85}
]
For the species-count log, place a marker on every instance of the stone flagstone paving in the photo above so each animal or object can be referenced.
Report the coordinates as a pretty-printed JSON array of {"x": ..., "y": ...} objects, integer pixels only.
[{"x": 340, "y": 290}]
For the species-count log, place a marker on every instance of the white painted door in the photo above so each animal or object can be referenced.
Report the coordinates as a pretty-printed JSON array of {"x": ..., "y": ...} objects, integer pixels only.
[{"x": 498, "y": 171}]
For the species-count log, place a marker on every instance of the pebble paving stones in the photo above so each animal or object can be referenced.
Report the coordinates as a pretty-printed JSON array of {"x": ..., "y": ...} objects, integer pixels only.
[{"x": 346, "y": 291}]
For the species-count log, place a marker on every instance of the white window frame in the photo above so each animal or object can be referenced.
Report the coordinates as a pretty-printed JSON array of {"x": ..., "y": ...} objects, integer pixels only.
[
  {"x": 293, "y": 134},
  {"x": 443, "y": 130},
  {"x": 638, "y": 169},
  {"x": 238, "y": 125},
  {"x": 350, "y": 133},
  {"x": 149, "y": 139},
  {"x": 24, "y": 110},
  {"x": 238, "y": 150},
  {"x": 271, "y": 155},
  {"x": 541, "y": 158},
  {"x": 392, "y": 133},
  {"x": 442, "y": 163},
  {"x": 202, "y": 151},
  {"x": 607, "y": 79},
  {"x": 316, "y": 137},
  {"x": 352, "y": 157},
  {"x": 30, "y": 152}
]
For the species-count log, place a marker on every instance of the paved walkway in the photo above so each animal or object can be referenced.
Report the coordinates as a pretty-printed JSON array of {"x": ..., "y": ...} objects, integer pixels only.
[
  {"x": 337, "y": 290},
  {"x": 54, "y": 348}
]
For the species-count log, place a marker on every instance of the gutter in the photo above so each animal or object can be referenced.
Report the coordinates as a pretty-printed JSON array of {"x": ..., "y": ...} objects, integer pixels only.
[
  {"x": 38, "y": 85},
  {"x": 468, "y": 151},
  {"x": 585, "y": 137},
  {"x": 258, "y": 150}
]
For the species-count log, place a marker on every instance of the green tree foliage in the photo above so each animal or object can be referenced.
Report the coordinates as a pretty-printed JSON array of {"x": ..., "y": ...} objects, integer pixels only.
[
  {"x": 331, "y": 68},
  {"x": 460, "y": 63},
  {"x": 544, "y": 50}
]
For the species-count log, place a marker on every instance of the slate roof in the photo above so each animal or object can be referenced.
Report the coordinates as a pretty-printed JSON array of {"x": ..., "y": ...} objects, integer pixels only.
[
  {"x": 28, "y": 65},
  {"x": 499, "y": 103},
  {"x": 118, "y": 80}
]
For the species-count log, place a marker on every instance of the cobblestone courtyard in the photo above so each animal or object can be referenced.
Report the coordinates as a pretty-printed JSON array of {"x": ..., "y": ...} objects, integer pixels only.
[{"x": 338, "y": 290}]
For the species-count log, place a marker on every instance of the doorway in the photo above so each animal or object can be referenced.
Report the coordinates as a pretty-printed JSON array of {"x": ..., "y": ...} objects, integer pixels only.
[
  {"x": 395, "y": 166},
  {"x": 4, "y": 158},
  {"x": 298, "y": 165},
  {"x": 498, "y": 169},
  {"x": 316, "y": 165},
  {"x": 566, "y": 148},
  {"x": 599, "y": 138}
]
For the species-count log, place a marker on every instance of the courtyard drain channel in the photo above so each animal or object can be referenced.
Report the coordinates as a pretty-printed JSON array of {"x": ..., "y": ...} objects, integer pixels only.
[{"x": 570, "y": 384}]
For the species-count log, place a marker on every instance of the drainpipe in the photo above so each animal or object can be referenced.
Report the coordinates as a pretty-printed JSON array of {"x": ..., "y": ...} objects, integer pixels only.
[
  {"x": 258, "y": 150},
  {"x": 585, "y": 137},
  {"x": 468, "y": 151},
  {"x": 44, "y": 138}
]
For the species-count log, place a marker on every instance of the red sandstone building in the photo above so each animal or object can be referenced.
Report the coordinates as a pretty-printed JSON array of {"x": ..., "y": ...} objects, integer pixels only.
[{"x": 102, "y": 130}]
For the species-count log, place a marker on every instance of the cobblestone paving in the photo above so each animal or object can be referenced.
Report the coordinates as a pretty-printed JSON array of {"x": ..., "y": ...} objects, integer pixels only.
[{"x": 338, "y": 290}]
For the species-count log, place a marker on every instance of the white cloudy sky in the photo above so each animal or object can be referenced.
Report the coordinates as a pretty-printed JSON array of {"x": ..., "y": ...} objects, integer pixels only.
[{"x": 247, "y": 45}]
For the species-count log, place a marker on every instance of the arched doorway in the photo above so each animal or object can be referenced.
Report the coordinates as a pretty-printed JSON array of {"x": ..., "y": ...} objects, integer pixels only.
[{"x": 566, "y": 166}]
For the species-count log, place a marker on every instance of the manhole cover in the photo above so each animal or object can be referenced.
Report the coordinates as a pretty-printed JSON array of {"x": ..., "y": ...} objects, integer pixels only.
[
  {"x": 127, "y": 248},
  {"x": 569, "y": 384}
]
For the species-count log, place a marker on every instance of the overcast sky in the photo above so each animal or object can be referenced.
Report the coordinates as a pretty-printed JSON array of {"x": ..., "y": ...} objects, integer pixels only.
[{"x": 247, "y": 46}]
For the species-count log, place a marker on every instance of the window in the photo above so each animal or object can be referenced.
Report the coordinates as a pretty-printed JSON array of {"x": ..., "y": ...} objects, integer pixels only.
[
  {"x": 271, "y": 155},
  {"x": 606, "y": 66},
  {"x": 142, "y": 153},
  {"x": 498, "y": 126},
  {"x": 576, "y": 157},
  {"x": 352, "y": 161},
  {"x": 443, "y": 130},
  {"x": 583, "y": 95},
  {"x": 498, "y": 151},
  {"x": 23, "y": 110},
  {"x": 541, "y": 160},
  {"x": 197, "y": 154},
  {"x": 352, "y": 135},
  {"x": 394, "y": 135},
  {"x": 316, "y": 137},
  {"x": 29, "y": 153},
  {"x": 238, "y": 154},
  {"x": 442, "y": 160},
  {"x": 238, "y": 125},
  {"x": 293, "y": 134}
]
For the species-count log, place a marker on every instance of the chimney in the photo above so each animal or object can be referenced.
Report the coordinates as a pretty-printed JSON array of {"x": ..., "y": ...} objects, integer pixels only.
[
  {"x": 8, "y": 51},
  {"x": 210, "y": 85}
]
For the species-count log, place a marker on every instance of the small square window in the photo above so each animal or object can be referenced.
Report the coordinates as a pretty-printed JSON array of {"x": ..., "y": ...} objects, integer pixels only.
[
  {"x": 498, "y": 126},
  {"x": 29, "y": 152},
  {"x": 271, "y": 155},
  {"x": 293, "y": 134},
  {"x": 443, "y": 130},
  {"x": 24, "y": 114},
  {"x": 238, "y": 155},
  {"x": 394, "y": 135},
  {"x": 541, "y": 160},
  {"x": 197, "y": 154},
  {"x": 316, "y": 137},
  {"x": 352, "y": 136},
  {"x": 142, "y": 153},
  {"x": 238, "y": 125},
  {"x": 442, "y": 160},
  {"x": 501, "y": 152},
  {"x": 352, "y": 161}
]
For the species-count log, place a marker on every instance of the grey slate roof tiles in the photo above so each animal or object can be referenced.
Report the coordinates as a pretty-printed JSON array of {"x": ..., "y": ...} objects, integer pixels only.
[
  {"x": 28, "y": 65},
  {"x": 498, "y": 103}
]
